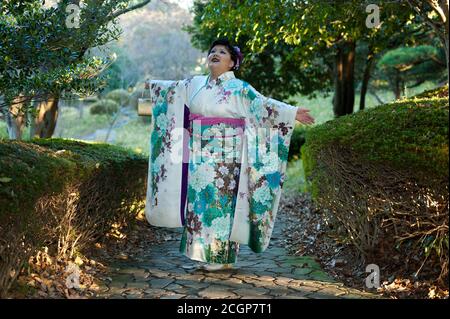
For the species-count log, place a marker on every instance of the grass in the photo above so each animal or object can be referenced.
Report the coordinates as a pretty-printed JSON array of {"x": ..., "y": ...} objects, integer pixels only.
[
  {"x": 69, "y": 124},
  {"x": 295, "y": 177},
  {"x": 135, "y": 135}
]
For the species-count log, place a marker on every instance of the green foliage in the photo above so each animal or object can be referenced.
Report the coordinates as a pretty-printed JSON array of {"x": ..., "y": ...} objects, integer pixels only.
[
  {"x": 381, "y": 176},
  {"x": 90, "y": 99},
  {"x": 120, "y": 96},
  {"x": 104, "y": 106},
  {"x": 438, "y": 92},
  {"x": 65, "y": 195},
  {"x": 410, "y": 65},
  {"x": 123, "y": 73},
  {"x": 41, "y": 56},
  {"x": 290, "y": 45},
  {"x": 409, "y": 135},
  {"x": 45, "y": 166}
]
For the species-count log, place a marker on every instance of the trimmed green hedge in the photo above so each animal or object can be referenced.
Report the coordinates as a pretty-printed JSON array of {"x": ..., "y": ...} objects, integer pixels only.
[
  {"x": 104, "y": 106},
  {"x": 433, "y": 93},
  {"x": 63, "y": 194},
  {"x": 382, "y": 176},
  {"x": 120, "y": 96},
  {"x": 408, "y": 134}
]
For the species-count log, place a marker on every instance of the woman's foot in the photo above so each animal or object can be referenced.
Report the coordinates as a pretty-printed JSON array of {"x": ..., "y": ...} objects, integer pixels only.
[{"x": 214, "y": 267}]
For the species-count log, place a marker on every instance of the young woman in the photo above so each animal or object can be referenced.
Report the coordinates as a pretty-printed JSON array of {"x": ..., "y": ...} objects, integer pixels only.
[{"x": 218, "y": 154}]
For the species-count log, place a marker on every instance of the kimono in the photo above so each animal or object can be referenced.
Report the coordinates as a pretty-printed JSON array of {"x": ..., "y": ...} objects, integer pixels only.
[{"x": 217, "y": 163}]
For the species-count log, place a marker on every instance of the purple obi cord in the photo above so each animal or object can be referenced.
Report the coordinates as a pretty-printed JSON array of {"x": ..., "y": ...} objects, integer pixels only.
[{"x": 204, "y": 120}]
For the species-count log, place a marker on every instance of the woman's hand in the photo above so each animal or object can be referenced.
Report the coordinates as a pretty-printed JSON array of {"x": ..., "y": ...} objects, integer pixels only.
[{"x": 303, "y": 116}]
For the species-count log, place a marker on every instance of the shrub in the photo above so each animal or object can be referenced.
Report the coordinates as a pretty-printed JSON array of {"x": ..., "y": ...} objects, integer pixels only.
[
  {"x": 90, "y": 99},
  {"x": 434, "y": 93},
  {"x": 120, "y": 96},
  {"x": 64, "y": 195},
  {"x": 104, "y": 107},
  {"x": 382, "y": 176}
]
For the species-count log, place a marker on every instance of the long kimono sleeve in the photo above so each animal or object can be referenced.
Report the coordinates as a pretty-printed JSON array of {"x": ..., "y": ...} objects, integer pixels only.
[
  {"x": 165, "y": 203},
  {"x": 269, "y": 127}
]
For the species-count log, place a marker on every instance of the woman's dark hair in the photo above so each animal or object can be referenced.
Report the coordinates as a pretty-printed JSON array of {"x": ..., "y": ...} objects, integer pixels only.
[{"x": 235, "y": 52}]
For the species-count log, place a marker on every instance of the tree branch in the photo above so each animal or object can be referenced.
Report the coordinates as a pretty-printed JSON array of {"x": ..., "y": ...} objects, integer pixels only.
[
  {"x": 439, "y": 10},
  {"x": 136, "y": 6},
  {"x": 440, "y": 62},
  {"x": 416, "y": 6}
]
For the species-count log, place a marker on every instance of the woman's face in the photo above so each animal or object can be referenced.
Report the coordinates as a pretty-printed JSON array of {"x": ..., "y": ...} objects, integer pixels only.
[{"x": 219, "y": 59}]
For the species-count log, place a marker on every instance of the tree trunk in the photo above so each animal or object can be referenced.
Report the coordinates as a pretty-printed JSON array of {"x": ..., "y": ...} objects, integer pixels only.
[
  {"x": 397, "y": 85},
  {"x": 365, "y": 81},
  {"x": 15, "y": 119},
  {"x": 444, "y": 6},
  {"x": 45, "y": 122},
  {"x": 80, "y": 106},
  {"x": 446, "y": 55},
  {"x": 344, "y": 93}
]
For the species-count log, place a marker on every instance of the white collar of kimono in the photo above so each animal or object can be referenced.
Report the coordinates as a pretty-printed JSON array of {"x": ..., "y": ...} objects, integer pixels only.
[{"x": 224, "y": 76}]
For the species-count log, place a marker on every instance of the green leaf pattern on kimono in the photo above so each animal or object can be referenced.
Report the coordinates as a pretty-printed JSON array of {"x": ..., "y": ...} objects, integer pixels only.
[
  {"x": 212, "y": 195},
  {"x": 162, "y": 94},
  {"x": 274, "y": 122}
]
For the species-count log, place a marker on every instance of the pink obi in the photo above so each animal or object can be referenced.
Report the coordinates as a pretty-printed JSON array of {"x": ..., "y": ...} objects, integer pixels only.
[{"x": 206, "y": 121}]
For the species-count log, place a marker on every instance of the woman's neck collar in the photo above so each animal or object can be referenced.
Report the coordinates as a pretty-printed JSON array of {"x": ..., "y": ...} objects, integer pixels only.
[{"x": 223, "y": 76}]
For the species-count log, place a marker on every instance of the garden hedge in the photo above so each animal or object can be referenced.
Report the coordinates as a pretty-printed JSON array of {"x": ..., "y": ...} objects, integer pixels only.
[
  {"x": 64, "y": 195},
  {"x": 381, "y": 175}
]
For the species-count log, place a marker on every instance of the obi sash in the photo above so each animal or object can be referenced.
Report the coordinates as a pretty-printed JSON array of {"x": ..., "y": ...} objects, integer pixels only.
[{"x": 204, "y": 120}]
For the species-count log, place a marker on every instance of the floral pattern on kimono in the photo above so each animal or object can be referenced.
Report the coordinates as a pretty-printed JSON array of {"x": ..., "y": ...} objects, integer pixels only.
[
  {"x": 214, "y": 170},
  {"x": 164, "y": 170},
  {"x": 239, "y": 207},
  {"x": 269, "y": 127}
]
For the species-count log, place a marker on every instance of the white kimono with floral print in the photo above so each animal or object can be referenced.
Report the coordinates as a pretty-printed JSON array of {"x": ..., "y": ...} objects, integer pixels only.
[{"x": 263, "y": 152}]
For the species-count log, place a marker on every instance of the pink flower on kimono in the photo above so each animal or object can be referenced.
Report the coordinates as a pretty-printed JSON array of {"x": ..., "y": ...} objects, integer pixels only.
[{"x": 224, "y": 96}]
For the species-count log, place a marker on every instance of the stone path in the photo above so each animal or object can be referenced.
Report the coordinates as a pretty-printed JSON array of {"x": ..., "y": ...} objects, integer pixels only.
[{"x": 165, "y": 273}]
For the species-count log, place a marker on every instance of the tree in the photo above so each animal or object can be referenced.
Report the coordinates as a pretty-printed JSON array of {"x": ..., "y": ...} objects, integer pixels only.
[
  {"x": 410, "y": 65},
  {"x": 275, "y": 70},
  {"x": 435, "y": 14},
  {"x": 154, "y": 41},
  {"x": 320, "y": 35},
  {"x": 44, "y": 57},
  {"x": 124, "y": 73}
]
